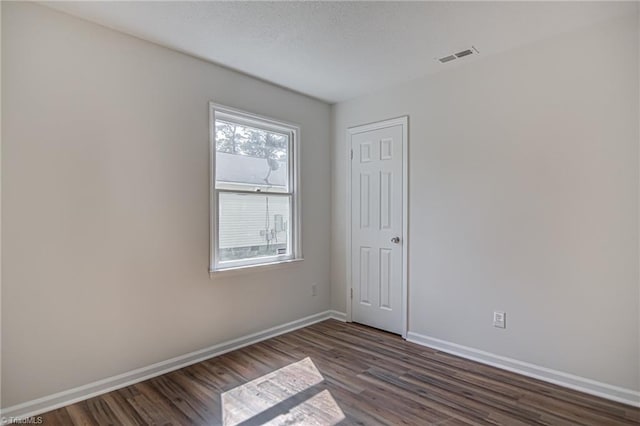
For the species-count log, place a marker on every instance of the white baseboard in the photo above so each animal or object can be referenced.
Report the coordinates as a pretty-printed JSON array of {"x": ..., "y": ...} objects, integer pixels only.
[
  {"x": 582, "y": 384},
  {"x": 339, "y": 316},
  {"x": 80, "y": 393}
]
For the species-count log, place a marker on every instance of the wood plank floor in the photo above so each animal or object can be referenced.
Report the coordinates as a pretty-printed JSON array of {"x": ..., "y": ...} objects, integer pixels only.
[{"x": 335, "y": 373}]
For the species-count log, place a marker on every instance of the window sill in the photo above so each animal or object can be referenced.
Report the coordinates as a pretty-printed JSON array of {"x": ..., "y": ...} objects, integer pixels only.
[{"x": 249, "y": 269}]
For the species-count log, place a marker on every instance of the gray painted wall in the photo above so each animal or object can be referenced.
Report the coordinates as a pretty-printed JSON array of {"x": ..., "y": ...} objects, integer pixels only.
[
  {"x": 524, "y": 198},
  {"x": 105, "y": 205}
]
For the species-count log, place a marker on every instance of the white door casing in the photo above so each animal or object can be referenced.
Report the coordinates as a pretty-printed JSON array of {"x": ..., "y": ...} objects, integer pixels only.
[{"x": 378, "y": 225}]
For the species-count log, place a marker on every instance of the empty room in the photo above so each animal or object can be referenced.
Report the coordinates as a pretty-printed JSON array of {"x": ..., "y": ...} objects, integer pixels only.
[{"x": 320, "y": 213}]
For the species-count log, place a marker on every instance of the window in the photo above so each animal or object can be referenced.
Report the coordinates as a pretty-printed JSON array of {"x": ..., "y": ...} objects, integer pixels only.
[{"x": 254, "y": 190}]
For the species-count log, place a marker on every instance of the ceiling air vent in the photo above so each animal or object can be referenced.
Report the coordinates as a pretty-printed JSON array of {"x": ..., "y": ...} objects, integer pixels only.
[
  {"x": 458, "y": 55},
  {"x": 464, "y": 53},
  {"x": 447, "y": 58}
]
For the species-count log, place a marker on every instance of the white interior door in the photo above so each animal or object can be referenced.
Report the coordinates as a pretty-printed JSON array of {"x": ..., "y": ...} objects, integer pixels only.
[{"x": 377, "y": 226}]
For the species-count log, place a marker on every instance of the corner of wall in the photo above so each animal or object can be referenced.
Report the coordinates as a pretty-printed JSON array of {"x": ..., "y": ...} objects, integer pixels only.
[
  {"x": 638, "y": 70},
  {"x": 1, "y": 7},
  {"x": 337, "y": 251}
]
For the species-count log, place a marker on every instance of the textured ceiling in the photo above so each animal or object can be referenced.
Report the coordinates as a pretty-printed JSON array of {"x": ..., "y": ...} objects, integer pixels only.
[{"x": 335, "y": 51}]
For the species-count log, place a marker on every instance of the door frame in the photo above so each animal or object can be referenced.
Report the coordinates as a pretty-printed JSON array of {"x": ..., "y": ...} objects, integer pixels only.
[{"x": 404, "y": 122}]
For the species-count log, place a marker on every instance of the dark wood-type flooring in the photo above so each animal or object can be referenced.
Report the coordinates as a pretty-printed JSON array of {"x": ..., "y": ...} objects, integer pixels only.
[{"x": 335, "y": 373}]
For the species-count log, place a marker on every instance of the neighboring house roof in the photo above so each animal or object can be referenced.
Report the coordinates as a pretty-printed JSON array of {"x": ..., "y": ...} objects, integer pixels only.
[{"x": 249, "y": 170}]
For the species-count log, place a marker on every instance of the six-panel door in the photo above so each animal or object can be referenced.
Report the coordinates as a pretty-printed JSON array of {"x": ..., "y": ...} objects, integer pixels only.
[{"x": 376, "y": 228}]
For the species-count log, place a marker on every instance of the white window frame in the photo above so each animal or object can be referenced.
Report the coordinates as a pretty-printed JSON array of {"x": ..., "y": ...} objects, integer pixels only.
[{"x": 293, "y": 161}]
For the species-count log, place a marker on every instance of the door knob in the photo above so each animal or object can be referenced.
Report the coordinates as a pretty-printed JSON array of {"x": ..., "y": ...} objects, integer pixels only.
[{"x": 395, "y": 240}]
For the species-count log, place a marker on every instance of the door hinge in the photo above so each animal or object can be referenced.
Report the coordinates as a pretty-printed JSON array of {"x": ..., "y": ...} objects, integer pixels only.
[
  {"x": 352, "y": 293},
  {"x": 352, "y": 154}
]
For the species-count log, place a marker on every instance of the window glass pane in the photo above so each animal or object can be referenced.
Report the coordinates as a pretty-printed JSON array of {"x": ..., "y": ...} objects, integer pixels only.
[
  {"x": 250, "y": 158},
  {"x": 253, "y": 225}
]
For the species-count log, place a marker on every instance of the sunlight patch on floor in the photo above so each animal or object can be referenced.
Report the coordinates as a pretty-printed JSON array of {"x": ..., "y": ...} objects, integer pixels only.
[
  {"x": 320, "y": 409},
  {"x": 285, "y": 396}
]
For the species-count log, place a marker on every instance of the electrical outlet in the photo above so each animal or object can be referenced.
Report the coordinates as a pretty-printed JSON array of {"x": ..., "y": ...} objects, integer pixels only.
[
  {"x": 500, "y": 319},
  {"x": 314, "y": 289}
]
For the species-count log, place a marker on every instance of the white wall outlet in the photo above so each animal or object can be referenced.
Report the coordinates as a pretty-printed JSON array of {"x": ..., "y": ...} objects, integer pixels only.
[
  {"x": 314, "y": 289},
  {"x": 500, "y": 319}
]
